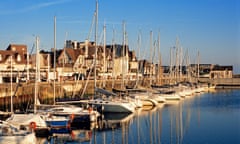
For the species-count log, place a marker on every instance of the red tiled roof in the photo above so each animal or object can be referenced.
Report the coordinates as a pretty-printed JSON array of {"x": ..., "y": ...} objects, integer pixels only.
[{"x": 5, "y": 54}]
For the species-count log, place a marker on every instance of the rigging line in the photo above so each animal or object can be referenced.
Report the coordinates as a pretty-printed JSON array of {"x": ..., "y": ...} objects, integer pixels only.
[
  {"x": 154, "y": 49},
  {"x": 85, "y": 86},
  {"x": 93, "y": 22}
]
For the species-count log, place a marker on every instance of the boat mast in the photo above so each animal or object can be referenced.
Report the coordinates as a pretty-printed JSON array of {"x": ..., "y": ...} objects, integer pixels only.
[
  {"x": 189, "y": 73},
  {"x": 54, "y": 62},
  {"x": 113, "y": 59},
  {"x": 198, "y": 61},
  {"x": 95, "y": 56},
  {"x": 123, "y": 57},
  {"x": 170, "y": 68},
  {"x": 48, "y": 59},
  {"x": 11, "y": 80},
  {"x": 180, "y": 62},
  {"x": 187, "y": 65},
  {"x": 27, "y": 66},
  {"x": 151, "y": 60},
  {"x": 160, "y": 61},
  {"x": 176, "y": 60},
  {"x": 104, "y": 54},
  {"x": 139, "y": 55},
  {"x": 36, "y": 75}
]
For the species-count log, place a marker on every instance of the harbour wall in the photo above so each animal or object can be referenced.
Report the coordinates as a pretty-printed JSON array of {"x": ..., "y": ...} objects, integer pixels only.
[
  {"x": 23, "y": 93},
  {"x": 223, "y": 82}
]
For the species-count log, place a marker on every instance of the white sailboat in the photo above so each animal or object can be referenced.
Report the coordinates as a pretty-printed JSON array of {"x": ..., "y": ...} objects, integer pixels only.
[
  {"x": 29, "y": 121},
  {"x": 11, "y": 135},
  {"x": 107, "y": 103},
  {"x": 110, "y": 102},
  {"x": 55, "y": 121},
  {"x": 69, "y": 112},
  {"x": 168, "y": 92},
  {"x": 146, "y": 97},
  {"x": 113, "y": 105},
  {"x": 77, "y": 114},
  {"x": 170, "y": 95}
]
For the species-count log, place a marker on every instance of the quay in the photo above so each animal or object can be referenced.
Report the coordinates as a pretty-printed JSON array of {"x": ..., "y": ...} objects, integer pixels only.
[
  {"x": 23, "y": 93},
  {"x": 222, "y": 83}
]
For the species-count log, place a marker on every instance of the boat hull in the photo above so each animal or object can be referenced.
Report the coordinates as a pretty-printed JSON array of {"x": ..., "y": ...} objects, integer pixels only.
[
  {"x": 19, "y": 139},
  {"x": 57, "y": 123},
  {"x": 105, "y": 106}
]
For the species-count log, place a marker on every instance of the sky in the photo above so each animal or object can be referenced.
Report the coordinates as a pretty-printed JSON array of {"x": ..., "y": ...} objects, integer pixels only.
[{"x": 210, "y": 27}]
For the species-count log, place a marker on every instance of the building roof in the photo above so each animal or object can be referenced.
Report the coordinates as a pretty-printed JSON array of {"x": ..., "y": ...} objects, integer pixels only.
[
  {"x": 218, "y": 67},
  {"x": 73, "y": 53},
  {"x": 18, "y": 53},
  {"x": 19, "y": 48}
]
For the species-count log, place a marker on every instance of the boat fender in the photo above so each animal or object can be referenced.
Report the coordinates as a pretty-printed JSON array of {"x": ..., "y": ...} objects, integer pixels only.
[
  {"x": 32, "y": 126},
  {"x": 90, "y": 134},
  {"x": 90, "y": 109},
  {"x": 73, "y": 136},
  {"x": 69, "y": 125},
  {"x": 102, "y": 108},
  {"x": 71, "y": 117}
]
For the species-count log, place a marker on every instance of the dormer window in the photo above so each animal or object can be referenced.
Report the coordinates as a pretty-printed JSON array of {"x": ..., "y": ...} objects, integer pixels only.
[
  {"x": 18, "y": 58},
  {"x": 13, "y": 48}
]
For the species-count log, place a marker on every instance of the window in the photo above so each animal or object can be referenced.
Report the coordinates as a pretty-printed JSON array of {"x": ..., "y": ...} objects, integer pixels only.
[
  {"x": 18, "y": 58},
  {"x": 0, "y": 57},
  {"x": 13, "y": 48}
]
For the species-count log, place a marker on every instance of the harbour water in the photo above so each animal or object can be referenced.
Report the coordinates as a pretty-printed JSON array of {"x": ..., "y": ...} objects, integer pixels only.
[{"x": 205, "y": 118}]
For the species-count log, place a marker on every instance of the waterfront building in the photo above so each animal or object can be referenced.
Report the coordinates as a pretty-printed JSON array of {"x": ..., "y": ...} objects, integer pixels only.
[
  {"x": 14, "y": 60},
  {"x": 212, "y": 71},
  {"x": 221, "y": 72},
  {"x": 44, "y": 66},
  {"x": 17, "y": 60},
  {"x": 146, "y": 68},
  {"x": 133, "y": 66},
  {"x": 78, "y": 58}
]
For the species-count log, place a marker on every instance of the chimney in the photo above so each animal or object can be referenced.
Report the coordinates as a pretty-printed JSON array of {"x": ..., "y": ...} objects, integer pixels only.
[{"x": 75, "y": 44}]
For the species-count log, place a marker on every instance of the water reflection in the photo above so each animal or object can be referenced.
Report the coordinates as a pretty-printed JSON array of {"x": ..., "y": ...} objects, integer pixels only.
[
  {"x": 114, "y": 124},
  {"x": 204, "y": 118}
]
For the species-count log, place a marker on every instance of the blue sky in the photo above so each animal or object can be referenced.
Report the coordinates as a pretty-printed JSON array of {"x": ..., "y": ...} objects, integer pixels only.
[{"x": 211, "y": 27}]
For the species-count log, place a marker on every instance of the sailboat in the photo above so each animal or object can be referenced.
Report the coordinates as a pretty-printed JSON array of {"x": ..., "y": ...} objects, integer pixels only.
[
  {"x": 11, "y": 134},
  {"x": 77, "y": 115},
  {"x": 31, "y": 122},
  {"x": 144, "y": 96},
  {"x": 40, "y": 122},
  {"x": 66, "y": 109},
  {"x": 110, "y": 102},
  {"x": 107, "y": 101}
]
